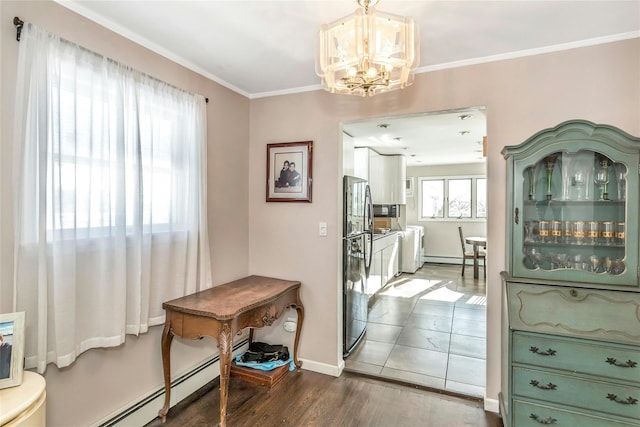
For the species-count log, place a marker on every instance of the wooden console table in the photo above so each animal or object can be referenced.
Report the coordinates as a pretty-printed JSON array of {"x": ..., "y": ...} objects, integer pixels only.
[{"x": 220, "y": 313}]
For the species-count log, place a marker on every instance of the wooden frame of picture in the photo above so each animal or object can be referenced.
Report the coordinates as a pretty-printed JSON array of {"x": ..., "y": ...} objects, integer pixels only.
[
  {"x": 11, "y": 349},
  {"x": 289, "y": 172}
]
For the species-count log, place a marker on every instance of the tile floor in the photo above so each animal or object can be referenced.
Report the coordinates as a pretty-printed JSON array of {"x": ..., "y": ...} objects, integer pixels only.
[{"x": 428, "y": 328}]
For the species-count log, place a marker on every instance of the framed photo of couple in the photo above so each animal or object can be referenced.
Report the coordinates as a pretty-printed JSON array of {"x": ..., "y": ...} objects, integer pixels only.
[
  {"x": 11, "y": 349},
  {"x": 289, "y": 172}
]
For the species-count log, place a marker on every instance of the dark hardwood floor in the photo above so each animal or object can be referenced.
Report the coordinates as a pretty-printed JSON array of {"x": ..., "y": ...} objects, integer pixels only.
[{"x": 305, "y": 398}]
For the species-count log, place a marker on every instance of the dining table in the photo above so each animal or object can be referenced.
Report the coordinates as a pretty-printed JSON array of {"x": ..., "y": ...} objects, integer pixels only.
[{"x": 477, "y": 242}]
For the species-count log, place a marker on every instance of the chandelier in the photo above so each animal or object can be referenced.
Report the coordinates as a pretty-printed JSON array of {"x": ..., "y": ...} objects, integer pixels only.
[{"x": 367, "y": 52}]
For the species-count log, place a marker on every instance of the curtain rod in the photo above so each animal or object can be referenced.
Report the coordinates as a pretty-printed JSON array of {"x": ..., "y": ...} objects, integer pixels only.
[{"x": 19, "y": 23}]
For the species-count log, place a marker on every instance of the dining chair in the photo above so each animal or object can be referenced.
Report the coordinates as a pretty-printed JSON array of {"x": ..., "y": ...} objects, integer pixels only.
[{"x": 466, "y": 254}]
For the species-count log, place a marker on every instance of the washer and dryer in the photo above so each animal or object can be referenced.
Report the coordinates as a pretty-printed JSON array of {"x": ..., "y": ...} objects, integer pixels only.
[{"x": 412, "y": 248}]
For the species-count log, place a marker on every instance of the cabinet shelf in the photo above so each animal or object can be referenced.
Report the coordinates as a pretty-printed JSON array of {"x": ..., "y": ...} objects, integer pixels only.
[
  {"x": 572, "y": 245},
  {"x": 573, "y": 203}
]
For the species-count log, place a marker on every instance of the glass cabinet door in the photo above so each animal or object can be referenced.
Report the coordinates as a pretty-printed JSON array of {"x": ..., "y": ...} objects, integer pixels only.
[{"x": 573, "y": 211}]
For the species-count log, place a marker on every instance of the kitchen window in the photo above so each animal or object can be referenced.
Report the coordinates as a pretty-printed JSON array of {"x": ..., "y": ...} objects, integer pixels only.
[{"x": 452, "y": 198}]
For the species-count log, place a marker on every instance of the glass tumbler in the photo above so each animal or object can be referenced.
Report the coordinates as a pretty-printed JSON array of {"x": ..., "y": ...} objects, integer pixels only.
[
  {"x": 567, "y": 232},
  {"x": 593, "y": 231},
  {"x": 607, "y": 232},
  {"x": 556, "y": 231},
  {"x": 543, "y": 230},
  {"x": 620, "y": 234},
  {"x": 578, "y": 231}
]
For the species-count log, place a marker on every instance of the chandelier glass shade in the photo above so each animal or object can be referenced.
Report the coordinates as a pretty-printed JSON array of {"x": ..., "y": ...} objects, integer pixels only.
[{"x": 367, "y": 52}]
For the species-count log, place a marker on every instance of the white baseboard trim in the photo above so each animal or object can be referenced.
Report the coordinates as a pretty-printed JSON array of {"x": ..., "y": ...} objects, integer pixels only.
[
  {"x": 442, "y": 260},
  {"x": 492, "y": 405},
  {"x": 145, "y": 409},
  {"x": 446, "y": 260},
  {"x": 323, "y": 368}
]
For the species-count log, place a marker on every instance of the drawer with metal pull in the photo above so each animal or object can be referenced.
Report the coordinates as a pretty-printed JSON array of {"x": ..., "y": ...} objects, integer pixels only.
[
  {"x": 528, "y": 414},
  {"x": 579, "y": 392},
  {"x": 614, "y": 361}
]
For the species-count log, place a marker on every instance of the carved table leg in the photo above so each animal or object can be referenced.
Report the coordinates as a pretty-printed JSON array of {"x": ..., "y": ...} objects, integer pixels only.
[
  {"x": 300, "y": 310},
  {"x": 167, "y": 338},
  {"x": 224, "y": 349}
]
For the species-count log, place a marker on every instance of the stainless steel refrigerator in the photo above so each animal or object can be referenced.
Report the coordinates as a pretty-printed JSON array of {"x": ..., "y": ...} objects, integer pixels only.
[{"x": 357, "y": 239}]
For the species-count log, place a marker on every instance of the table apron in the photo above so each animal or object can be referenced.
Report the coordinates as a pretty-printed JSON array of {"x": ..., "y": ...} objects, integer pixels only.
[{"x": 193, "y": 326}]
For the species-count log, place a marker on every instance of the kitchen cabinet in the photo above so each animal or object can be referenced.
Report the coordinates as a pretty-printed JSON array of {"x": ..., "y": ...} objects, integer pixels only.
[
  {"x": 384, "y": 261},
  {"x": 361, "y": 162},
  {"x": 386, "y": 175},
  {"x": 571, "y": 295}
]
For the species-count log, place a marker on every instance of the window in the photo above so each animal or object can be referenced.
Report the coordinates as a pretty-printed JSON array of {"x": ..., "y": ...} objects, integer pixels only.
[
  {"x": 93, "y": 173},
  {"x": 110, "y": 198},
  {"x": 453, "y": 198}
]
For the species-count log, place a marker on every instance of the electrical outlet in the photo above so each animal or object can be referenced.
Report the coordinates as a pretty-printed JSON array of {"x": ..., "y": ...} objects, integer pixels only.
[{"x": 290, "y": 324}]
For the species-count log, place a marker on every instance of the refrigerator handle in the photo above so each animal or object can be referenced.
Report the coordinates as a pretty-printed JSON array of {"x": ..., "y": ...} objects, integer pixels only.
[
  {"x": 369, "y": 221},
  {"x": 368, "y": 257},
  {"x": 368, "y": 214}
]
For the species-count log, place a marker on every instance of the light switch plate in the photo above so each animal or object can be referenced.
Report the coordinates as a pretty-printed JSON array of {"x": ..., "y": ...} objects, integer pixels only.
[{"x": 323, "y": 229}]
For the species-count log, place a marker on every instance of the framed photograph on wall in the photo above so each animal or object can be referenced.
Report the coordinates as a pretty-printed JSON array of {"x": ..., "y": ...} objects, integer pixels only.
[
  {"x": 289, "y": 172},
  {"x": 408, "y": 185},
  {"x": 11, "y": 349}
]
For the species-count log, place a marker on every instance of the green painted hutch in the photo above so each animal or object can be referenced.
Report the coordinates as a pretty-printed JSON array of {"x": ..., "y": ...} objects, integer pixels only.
[{"x": 571, "y": 295}]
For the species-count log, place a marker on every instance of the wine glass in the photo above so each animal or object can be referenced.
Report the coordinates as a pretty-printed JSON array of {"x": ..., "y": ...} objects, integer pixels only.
[
  {"x": 621, "y": 177},
  {"x": 595, "y": 263},
  {"x": 562, "y": 259},
  {"x": 601, "y": 179},
  {"x": 550, "y": 162},
  {"x": 535, "y": 257}
]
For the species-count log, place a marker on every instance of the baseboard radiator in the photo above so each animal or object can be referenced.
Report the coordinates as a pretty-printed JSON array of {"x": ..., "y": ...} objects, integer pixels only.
[{"x": 145, "y": 409}]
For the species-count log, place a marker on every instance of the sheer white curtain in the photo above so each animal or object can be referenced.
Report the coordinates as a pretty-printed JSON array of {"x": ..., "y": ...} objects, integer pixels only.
[{"x": 110, "y": 197}]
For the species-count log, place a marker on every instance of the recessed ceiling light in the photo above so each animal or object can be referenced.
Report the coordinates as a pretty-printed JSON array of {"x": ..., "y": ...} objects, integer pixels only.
[{"x": 465, "y": 116}]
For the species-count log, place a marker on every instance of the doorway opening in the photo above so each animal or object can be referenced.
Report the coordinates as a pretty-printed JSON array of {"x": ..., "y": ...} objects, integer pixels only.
[{"x": 427, "y": 326}]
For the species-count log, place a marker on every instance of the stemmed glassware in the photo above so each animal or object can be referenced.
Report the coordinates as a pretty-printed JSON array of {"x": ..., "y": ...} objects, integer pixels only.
[
  {"x": 550, "y": 162},
  {"x": 535, "y": 257},
  {"x": 621, "y": 176},
  {"x": 601, "y": 178}
]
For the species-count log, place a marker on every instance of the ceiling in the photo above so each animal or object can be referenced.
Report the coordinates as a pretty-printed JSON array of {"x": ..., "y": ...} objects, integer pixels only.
[
  {"x": 267, "y": 47},
  {"x": 442, "y": 138}
]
